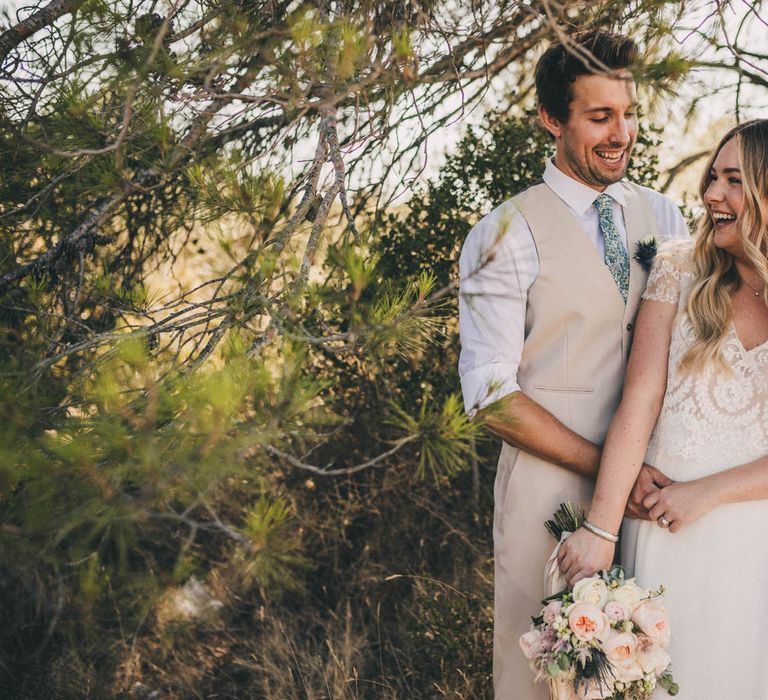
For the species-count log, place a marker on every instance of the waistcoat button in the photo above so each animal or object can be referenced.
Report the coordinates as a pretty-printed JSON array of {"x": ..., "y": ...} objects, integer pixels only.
[{"x": 630, "y": 327}]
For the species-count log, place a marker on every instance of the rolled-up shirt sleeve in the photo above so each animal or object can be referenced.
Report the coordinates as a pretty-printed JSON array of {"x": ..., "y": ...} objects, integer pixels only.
[{"x": 497, "y": 266}]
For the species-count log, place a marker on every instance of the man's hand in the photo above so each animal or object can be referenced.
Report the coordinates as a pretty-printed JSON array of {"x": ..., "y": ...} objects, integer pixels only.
[{"x": 648, "y": 481}]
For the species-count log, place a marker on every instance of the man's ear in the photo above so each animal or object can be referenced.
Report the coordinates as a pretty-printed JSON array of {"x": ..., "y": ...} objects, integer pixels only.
[{"x": 552, "y": 125}]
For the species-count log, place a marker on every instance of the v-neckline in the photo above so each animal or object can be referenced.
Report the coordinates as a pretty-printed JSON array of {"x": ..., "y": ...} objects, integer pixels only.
[{"x": 741, "y": 344}]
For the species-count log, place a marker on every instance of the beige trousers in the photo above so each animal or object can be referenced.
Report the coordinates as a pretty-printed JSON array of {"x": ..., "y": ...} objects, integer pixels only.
[{"x": 527, "y": 492}]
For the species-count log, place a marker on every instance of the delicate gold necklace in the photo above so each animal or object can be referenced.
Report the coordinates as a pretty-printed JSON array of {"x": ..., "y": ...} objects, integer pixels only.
[{"x": 757, "y": 292}]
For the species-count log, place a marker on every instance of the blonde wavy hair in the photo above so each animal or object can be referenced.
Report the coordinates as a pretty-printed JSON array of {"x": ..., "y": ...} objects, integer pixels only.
[{"x": 716, "y": 276}]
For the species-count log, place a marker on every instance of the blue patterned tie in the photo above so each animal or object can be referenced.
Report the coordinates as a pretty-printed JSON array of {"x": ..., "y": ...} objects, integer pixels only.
[{"x": 615, "y": 253}]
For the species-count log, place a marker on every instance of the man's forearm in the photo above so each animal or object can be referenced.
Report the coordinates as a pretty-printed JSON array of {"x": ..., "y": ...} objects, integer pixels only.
[{"x": 520, "y": 421}]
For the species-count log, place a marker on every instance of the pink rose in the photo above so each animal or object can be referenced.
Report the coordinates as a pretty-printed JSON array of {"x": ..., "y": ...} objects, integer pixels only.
[
  {"x": 586, "y": 621},
  {"x": 531, "y": 644},
  {"x": 614, "y": 610},
  {"x": 552, "y": 611},
  {"x": 653, "y": 621}
]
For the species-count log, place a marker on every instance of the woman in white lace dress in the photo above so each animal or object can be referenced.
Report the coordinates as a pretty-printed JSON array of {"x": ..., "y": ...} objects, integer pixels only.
[{"x": 695, "y": 405}]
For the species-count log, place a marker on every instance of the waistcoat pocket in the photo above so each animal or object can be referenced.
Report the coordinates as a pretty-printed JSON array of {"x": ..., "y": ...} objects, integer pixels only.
[{"x": 564, "y": 389}]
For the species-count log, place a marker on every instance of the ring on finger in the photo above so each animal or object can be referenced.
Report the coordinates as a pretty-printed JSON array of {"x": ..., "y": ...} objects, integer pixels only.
[{"x": 663, "y": 522}]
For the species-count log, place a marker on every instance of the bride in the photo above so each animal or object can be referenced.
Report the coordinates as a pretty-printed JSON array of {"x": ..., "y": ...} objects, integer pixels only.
[{"x": 695, "y": 405}]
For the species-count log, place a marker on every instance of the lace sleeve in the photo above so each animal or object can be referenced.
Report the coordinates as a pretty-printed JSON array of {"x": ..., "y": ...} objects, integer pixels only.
[{"x": 671, "y": 265}]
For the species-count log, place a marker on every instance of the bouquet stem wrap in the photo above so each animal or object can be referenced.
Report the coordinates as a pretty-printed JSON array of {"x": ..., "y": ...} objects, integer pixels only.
[
  {"x": 554, "y": 581},
  {"x": 560, "y": 690}
]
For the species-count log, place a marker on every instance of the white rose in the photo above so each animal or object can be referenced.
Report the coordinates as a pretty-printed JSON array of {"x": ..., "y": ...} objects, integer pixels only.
[
  {"x": 627, "y": 671},
  {"x": 652, "y": 657},
  {"x": 629, "y": 595},
  {"x": 591, "y": 590}
]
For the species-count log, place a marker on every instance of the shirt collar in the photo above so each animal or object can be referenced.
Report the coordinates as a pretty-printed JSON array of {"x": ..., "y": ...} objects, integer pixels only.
[{"x": 575, "y": 194}]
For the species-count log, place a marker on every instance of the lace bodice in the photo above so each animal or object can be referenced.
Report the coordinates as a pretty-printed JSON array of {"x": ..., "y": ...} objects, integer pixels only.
[{"x": 712, "y": 418}]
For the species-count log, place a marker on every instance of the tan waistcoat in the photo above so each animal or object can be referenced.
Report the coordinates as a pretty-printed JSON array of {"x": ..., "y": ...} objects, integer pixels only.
[
  {"x": 578, "y": 330},
  {"x": 578, "y": 333}
]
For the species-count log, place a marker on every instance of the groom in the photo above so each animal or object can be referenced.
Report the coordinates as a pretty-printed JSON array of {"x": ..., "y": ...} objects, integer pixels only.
[{"x": 549, "y": 291}]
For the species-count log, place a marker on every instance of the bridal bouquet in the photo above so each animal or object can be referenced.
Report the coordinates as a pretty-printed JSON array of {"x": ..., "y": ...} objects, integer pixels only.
[{"x": 607, "y": 638}]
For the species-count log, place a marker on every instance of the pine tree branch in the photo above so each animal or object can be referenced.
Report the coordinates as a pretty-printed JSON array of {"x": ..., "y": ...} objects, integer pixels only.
[
  {"x": 44, "y": 17},
  {"x": 325, "y": 471},
  {"x": 108, "y": 207},
  {"x": 752, "y": 76},
  {"x": 76, "y": 240}
]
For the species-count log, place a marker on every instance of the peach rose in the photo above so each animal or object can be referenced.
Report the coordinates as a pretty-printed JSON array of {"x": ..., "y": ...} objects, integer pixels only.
[
  {"x": 620, "y": 647},
  {"x": 531, "y": 644},
  {"x": 586, "y": 621},
  {"x": 614, "y": 610},
  {"x": 653, "y": 621},
  {"x": 592, "y": 590}
]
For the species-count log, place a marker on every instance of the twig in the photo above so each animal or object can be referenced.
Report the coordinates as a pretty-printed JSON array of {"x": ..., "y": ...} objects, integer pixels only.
[
  {"x": 45, "y": 16},
  {"x": 325, "y": 471}
]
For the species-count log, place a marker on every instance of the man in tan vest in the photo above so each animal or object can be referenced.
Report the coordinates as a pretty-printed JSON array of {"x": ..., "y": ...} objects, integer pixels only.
[{"x": 549, "y": 291}]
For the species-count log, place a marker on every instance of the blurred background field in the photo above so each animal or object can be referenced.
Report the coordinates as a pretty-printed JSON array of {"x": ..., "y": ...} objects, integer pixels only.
[{"x": 234, "y": 462}]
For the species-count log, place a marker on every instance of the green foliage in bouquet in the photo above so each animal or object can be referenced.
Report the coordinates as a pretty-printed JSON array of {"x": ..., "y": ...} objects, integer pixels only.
[
  {"x": 567, "y": 518},
  {"x": 667, "y": 682}
]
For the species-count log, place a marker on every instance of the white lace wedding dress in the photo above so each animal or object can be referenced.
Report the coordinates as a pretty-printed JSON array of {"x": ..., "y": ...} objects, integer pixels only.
[{"x": 715, "y": 570}]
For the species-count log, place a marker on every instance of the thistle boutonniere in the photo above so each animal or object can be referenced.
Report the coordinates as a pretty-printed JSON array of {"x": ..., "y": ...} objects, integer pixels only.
[{"x": 645, "y": 252}]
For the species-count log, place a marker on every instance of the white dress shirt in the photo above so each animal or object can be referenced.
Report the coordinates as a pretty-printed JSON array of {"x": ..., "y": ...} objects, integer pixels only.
[{"x": 498, "y": 265}]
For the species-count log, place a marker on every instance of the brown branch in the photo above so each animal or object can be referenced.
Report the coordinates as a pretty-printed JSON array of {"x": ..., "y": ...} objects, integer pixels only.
[
  {"x": 751, "y": 76},
  {"x": 676, "y": 169},
  {"x": 334, "y": 153},
  {"x": 44, "y": 17},
  {"x": 502, "y": 59},
  {"x": 314, "y": 236},
  {"x": 325, "y": 471},
  {"x": 451, "y": 64},
  {"x": 310, "y": 191}
]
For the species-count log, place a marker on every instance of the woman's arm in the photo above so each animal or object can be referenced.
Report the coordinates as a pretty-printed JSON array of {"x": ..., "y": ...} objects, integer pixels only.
[
  {"x": 585, "y": 553},
  {"x": 684, "y": 502}
]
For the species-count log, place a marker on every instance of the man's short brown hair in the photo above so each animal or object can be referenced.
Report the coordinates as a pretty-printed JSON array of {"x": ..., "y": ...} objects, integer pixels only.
[{"x": 559, "y": 66}]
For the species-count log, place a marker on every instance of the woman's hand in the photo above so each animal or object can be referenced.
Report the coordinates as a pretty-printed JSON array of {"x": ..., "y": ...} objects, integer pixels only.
[
  {"x": 681, "y": 503},
  {"x": 584, "y": 554}
]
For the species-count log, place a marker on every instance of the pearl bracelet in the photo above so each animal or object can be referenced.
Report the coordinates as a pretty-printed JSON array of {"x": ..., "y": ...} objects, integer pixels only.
[{"x": 603, "y": 534}]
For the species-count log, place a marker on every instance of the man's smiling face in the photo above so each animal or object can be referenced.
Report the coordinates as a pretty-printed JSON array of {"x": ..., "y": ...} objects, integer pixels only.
[{"x": 594, "y": 145}]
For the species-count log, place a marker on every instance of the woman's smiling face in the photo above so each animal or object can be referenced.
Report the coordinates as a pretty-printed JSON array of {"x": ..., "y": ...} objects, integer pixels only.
[{"x": 724, "y": 198}]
